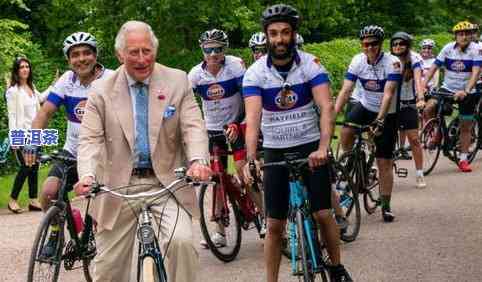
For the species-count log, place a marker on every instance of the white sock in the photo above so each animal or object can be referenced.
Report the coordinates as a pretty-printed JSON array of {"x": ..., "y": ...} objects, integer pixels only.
[
  {"x": 463, "y": 156},
  {"x": 419, "y": 172}
]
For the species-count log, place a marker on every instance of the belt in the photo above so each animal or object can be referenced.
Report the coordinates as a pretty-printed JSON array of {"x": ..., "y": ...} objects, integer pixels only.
[{"x": 142, "y": 172}]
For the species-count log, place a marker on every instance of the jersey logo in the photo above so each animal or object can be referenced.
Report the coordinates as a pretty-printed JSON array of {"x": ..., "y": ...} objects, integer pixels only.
[
  {"x": 458, "y": 66},
  {"x": 79, "y": 109},
  {"x": 215, "y": 92},
  {"x": 286, "y": 99},
  {"x": 372, "y": 85},
  {"x": 396, "y": 65}
]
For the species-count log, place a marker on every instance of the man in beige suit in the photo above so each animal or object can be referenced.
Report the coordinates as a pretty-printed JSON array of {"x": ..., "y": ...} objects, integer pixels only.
[{"x": 139, "y": 125}]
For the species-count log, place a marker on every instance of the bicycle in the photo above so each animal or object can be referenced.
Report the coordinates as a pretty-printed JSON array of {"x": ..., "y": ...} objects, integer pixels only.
[
  {"x": 226, "y": 204},
  {"x": 436, "y": 136},
  {"x": 56, "y": 224},
  {"x": 309, "y": 258},
  {"x": 150, "y": 265}
]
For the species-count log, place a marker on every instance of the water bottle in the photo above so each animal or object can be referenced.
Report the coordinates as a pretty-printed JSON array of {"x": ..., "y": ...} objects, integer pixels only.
[{"x": 78, "y": 221}]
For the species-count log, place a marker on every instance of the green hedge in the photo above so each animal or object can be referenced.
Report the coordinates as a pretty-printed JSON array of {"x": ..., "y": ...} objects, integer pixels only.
[{"x": 334, "y": 55}]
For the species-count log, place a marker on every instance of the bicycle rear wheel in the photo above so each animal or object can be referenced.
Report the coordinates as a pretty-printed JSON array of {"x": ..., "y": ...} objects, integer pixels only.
[
  {"x": 454, "y": 134},
  {"x": 215, "y": 219},
  {"x": 43, "y": 267},
  {"x": 89, "y": 252},
  {"x": 430, "y": 138}
]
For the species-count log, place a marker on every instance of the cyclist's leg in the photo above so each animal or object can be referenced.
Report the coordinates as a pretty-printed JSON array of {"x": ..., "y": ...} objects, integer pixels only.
[
  {"x": 176, "y": 239},
  {"x": 466, "y": 111},
  {"x": 115, "y": 247},
  {"x": 357, "y": 115},
  {"x": 408, "y": 119},
  {"x": 276, "y": 194},
  {"x": 385, "y": 146},
  {"x": 429, "y": 110}
]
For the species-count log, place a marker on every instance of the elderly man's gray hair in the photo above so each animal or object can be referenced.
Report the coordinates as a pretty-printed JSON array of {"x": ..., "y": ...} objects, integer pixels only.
[{"x": 133, "y": 26}]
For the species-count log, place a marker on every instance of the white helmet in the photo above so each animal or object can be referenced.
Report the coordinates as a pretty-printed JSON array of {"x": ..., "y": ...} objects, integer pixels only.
[
  {"x": 79, "y": 38},
  {"x": 299, "y": 40},
  {"x": 427, "y": 42},
  {"x": 258, "y": 39}
]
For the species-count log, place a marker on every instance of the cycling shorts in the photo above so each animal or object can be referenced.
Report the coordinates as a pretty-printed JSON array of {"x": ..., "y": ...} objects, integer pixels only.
[
  {"x": 467, "y": 105},
  {"x": 385, "y": 143},
  {"x": 217, "y": 138},
  {"x": 276, "y": 182},
  {"x": 59, "y": 167},
  {"x": 408, "y": 116}
]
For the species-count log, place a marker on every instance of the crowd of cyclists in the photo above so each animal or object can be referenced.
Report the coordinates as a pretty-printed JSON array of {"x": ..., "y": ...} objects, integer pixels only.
[{"x": 284, "y": 99}]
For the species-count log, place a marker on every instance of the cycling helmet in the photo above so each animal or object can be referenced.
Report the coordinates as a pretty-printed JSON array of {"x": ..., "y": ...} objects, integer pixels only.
[
  {"x": 372, "y": 31},
  {"x": 462, "y": 26},
  {"x": 258, "y": 39},
  {"x": 299, "y": 40},
  {"x": 403, "y": 36},
  {"x": 214, "y": 35},
  {"x": 280, "y": 13},
  {"x": 79, "y": 38},
  {"x": 427, "y": 42}
]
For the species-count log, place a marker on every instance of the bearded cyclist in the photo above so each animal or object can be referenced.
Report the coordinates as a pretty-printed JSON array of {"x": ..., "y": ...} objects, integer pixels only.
[
  {"x": 80, "y": 50},
  {"x": 280, "y": 92},
  {"x": 374, "y": 76},
  {"x": 257, "y": 44},
  {"x": 217, "y": 80},
  {"x": 461, "y": 61}
]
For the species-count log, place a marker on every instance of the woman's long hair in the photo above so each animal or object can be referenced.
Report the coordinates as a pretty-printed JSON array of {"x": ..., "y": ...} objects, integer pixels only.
[{"x": 15, "y": 78}]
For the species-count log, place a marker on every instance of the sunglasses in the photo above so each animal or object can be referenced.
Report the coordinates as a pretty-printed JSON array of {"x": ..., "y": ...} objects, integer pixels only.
[
  {"x": 427, "y": 48},
  {"x": 257, "y": 50},
  {"x": 371, "y": 43},
  {"x": 215, "y": 50},
  {"x": 399, "y": 43}
]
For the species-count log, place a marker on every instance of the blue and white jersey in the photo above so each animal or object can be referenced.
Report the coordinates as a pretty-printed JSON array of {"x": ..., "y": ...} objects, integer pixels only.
[
  {"x": 69, "y": 92},
  {"x": 458, "y": 65},
  {"x": 221, "y": 94},
  {"x": 371, "y": 79},
  {"x": 289, "y": 117},
  {"x": 407, "y": 89}
]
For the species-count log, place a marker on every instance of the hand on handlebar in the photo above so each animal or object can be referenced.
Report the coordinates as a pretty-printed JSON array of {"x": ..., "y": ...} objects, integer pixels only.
[
  {"x": 251, "y": 170},
  {"x": 199, "y": 171},
  {"x": 232, "y": 132},
  {"x": 318, "y": 158},
  {"x": 460, "y": 95},
  {"x": 376, "y": 127},
  {"x": 84, "y": 185}
]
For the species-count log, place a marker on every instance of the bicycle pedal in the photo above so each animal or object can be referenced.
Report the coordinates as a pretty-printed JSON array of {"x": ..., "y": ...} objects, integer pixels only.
[{"x": 402, "y": 172}]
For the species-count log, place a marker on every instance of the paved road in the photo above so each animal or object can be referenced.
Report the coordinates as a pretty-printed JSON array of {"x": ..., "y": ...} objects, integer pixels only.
[{"x": 437, "y": 236}]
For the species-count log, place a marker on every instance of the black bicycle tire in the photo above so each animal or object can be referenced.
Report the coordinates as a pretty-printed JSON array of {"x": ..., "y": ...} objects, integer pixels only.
[
  {"x": 223, "y": 257},
  {"x": 42, "y": 231},
  {"x": 355, "y": 204},
  {"x": 426, "y": 127},
  {"x": 302, "y": 246},
  {"x": 87, "y": 261},
  {"x": 471, "y": 156}
]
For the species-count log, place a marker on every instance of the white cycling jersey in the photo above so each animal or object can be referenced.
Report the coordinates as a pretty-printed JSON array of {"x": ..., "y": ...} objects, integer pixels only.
[
  {"x": 458, "y": 65},
  {"x": 221, "y": 94},
  {"x": 289, "y": 117},
  {"x": 407, "y": 89},
  {"x": 69, "y": 92},
  {"x": 370, "y": 79},
  {"x": 426, "y": 64}
]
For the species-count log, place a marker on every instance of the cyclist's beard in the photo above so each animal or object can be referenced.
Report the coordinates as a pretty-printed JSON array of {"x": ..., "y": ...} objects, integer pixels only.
[{"x": 290, "y": 48}]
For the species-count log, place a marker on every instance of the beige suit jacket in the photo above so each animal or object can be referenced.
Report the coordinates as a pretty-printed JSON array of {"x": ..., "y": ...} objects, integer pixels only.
[{"x": 107, "y": 134}]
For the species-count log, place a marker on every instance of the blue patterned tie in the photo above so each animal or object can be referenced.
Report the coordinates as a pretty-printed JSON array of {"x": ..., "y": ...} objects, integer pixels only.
[{"x": 143, "y": 159}]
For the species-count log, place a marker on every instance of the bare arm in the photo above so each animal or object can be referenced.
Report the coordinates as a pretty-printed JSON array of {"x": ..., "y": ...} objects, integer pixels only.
[
  {"x": 473, "y": 79},
  {"x": 42, "y": 118},
  {"x": 419, "y": 90},
  {"x": 253, "y": 106},
  {"x": 430, "y": 74},
  {"x": 388, "y": 94},
  {"x": 322, "y": 96},
  {"x": 344, "y": 95}
]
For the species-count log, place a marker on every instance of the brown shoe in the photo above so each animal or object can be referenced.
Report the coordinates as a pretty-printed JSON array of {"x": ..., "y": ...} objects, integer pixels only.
[
  {"x": 34, "y": 205},
  {"x": 14, "y": 207}
]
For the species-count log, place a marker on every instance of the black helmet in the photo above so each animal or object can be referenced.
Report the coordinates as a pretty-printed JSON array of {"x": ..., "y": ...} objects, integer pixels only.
[
  {"x": 280, "y": 13},
  {"x": 214, "y": 35},
  {"x": 372, "y": 31},
  {"x": 403, "y": 36}
]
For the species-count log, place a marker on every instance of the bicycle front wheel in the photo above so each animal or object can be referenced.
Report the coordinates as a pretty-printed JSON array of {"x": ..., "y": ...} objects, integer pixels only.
[
  {"x": 431, "y": 140},
  {"x": 46, "y": 254},
  {"x": 150, "y": 271},
  {"x": 454, "y": 132},
  {"x": 220, "y": 226}
]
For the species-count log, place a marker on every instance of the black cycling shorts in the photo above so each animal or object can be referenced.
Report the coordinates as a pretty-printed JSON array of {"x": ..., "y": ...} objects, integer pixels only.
[
  {"x": 217, "y": 138},
  {"x": 408, "y": 117},
  {"x": 385, "y": 143},
  {"x": 467, "y": 105},
  {"x": 276, "y": 183},
  {"x": 58, "y": 168}
]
